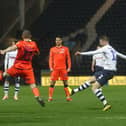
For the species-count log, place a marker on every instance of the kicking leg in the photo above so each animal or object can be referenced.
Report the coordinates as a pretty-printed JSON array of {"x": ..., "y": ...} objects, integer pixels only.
[{"x": 83, "y": 86}]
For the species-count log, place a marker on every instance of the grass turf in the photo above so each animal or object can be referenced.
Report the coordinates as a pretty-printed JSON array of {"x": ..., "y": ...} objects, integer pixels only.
[{"x": 84, "y": 110}]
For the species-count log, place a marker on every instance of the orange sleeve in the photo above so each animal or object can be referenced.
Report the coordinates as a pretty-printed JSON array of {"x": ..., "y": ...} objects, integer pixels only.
[
  {"x": 68, "y": 59},
  {"x": 51, "y": 59}
]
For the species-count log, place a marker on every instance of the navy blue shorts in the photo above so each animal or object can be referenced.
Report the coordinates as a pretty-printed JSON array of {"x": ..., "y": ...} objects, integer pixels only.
[{"x": 103, "y": 76}]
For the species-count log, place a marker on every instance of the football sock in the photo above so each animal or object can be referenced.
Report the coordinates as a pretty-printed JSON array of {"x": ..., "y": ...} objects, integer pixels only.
[
  {"x": 67, "y": 92},
  {"x": 100, "y": 96},
  {"x": 51, "y": 90},
  {"x": 17, "y": 88},
  {"x": 36, "y": 92},
  {"x": 6, "y": 88},
  {"x": 82, "y": 87}
]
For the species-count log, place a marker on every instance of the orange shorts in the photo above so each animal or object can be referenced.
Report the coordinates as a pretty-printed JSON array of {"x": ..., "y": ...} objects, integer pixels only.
[
  {"x": 26, "y": 74},
  {"x": 62, "y": 74}
]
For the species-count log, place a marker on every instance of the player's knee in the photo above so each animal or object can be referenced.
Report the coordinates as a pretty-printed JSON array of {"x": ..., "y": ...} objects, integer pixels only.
[
  {"x": 92, "y": 79},
  {"x": 5, "y": 74},
  {"x": 65, "y": 83},
  {"x": 95, "y": 86}
]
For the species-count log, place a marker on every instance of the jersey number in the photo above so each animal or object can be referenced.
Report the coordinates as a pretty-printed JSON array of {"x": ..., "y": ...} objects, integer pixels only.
[{"x": 113, "y": 55}]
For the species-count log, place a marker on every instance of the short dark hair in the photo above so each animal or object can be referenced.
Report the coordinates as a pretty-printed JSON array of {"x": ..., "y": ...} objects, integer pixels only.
[
  {"x": 104, "y": 37},
  {"x": 26, "y": 34},
  {"x": 59, "y": 36}
]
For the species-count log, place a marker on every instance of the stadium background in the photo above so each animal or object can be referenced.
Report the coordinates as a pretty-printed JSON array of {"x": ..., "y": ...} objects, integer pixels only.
[{"x": 79, "y": 22}]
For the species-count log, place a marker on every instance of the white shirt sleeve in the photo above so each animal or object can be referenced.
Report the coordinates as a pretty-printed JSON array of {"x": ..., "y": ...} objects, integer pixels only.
[
  {"x": 6, "y": 62},
  {"x": 101, "y": 50},
  {"x": 121, "y": 55}
]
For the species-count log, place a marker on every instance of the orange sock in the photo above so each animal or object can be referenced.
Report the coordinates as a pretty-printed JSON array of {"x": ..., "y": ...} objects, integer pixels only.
[
  {"x": 51, "y": 90},
  {"x": 67, "y": 92},
  {"x": 36, "y": 92}
]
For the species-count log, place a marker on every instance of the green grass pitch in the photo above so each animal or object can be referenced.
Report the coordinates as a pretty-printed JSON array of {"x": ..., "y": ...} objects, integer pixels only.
[{"x": 84, "y": 110}]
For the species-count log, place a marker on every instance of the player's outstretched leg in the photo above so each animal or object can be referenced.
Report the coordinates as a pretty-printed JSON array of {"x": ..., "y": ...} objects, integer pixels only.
[
  {"x": 36, "y": 93},
  {"x": 80, "y": 88}
]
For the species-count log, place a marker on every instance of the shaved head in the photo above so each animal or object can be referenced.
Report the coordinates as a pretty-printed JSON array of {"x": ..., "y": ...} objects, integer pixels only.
[{"x": 26, "y": 34}]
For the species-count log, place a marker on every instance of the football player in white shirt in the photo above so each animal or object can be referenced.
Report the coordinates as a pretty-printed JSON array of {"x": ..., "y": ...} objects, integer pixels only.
[
  {"x": 97, "y": 62},
  {"x": 8, "y": 62},
  {"x": 100, "y": 78}
]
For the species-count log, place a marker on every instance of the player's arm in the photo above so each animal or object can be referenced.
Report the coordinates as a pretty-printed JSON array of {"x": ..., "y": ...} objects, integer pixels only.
[
  {"x": 68, "y": 60},
  {"x": 51, "y": 60},
  {"x": 93, "y": 64},
  {"x": 121, "y": 55},
  {"x": 101, "y": 50},
  {"x": 11, "y": 48}
]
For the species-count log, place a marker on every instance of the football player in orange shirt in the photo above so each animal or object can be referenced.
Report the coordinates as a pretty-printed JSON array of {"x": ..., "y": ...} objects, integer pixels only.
[
  {"x": 60, "y": 65},
  {"x": 23, "y": 63}
]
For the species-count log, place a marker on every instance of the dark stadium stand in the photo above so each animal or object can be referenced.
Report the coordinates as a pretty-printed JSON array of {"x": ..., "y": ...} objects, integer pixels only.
[
  {"x": 114, "y": 25},
  {"x": 62, "y": 17}
]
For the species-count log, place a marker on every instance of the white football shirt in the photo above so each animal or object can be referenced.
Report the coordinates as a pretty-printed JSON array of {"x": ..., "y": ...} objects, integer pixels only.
[
  {"x": 10, "y": 59},
  {"x": 110, "y": 55},
  {"x": 99, "y": 59}
]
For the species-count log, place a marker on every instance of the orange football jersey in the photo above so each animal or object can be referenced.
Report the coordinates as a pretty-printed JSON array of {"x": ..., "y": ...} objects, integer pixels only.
[{"x": 59, "y": 58}]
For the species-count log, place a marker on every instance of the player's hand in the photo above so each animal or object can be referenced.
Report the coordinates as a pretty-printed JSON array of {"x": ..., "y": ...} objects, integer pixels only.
[
  {"x": 2, "y": 52},
  {"x": 68, "y": 70},
  {"x": 51, "y": 69},
  {"x": 77, "y": 53}
]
